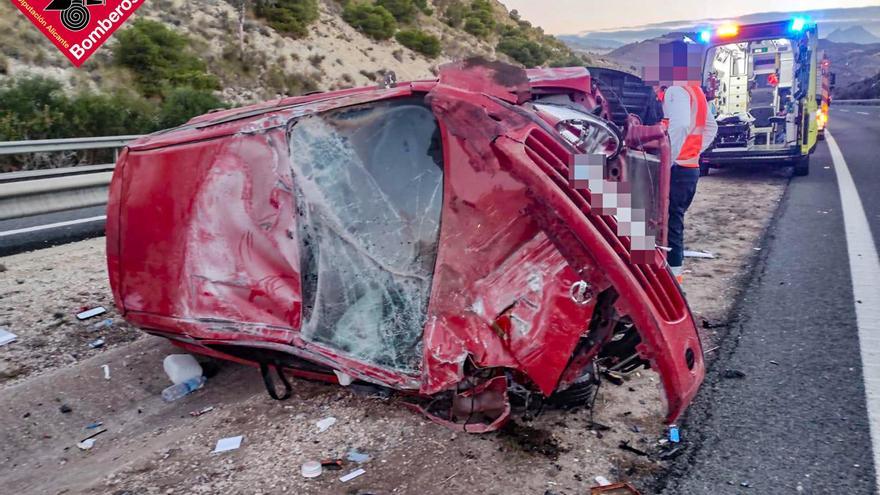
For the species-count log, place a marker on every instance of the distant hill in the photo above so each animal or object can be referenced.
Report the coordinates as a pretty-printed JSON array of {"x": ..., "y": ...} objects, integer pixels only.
[
  {"x": 851, "y": 62},
  {"x": 868, "y": 88},
  {"x": 853, "y": 34}
]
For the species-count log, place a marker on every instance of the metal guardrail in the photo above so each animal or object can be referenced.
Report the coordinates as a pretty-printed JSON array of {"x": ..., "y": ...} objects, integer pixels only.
[
  {"x": 72, "y": 144},
  {"x": 35, "y": 192},
  {"x": 875, "y": 102}
]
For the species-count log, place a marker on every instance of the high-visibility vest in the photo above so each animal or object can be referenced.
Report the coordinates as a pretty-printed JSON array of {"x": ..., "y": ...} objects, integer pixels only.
[{"x": 690, "y": 151}]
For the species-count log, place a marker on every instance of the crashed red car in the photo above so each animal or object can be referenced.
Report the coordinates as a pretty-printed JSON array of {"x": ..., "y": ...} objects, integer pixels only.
[{"x": 423, "y": 237}]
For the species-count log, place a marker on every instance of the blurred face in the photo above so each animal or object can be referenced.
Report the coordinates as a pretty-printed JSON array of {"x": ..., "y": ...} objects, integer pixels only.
[{"x": 677, "y": 64}]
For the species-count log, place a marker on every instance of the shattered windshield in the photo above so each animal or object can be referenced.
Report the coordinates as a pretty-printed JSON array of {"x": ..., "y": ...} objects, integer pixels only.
[{"x": 369, "y": 184}]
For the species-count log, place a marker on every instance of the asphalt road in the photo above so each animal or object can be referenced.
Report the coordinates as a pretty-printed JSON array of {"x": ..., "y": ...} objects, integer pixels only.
[
  {"x": 40, "y": 231},
  {"x": 797, "y": 422}
]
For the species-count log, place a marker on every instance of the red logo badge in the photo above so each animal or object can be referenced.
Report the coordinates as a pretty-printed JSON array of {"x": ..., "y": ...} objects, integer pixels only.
[{"x": 78, "y": 27}]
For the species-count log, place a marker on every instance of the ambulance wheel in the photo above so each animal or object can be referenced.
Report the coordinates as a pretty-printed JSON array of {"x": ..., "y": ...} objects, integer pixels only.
[
  {"x": 704, "y": 170},
  {"x": 802, "y": 167}
]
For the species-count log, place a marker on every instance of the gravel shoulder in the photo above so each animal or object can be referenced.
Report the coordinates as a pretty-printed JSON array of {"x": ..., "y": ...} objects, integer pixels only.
[{"x": 152, "y": 447}]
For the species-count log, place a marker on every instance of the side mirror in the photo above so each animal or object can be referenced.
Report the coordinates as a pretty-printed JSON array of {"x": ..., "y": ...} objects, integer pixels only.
[{"x": 832, "y": 79}]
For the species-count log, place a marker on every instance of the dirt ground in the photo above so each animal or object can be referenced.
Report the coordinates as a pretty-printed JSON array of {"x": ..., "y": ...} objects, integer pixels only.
[{"x": 153, "y": 447}]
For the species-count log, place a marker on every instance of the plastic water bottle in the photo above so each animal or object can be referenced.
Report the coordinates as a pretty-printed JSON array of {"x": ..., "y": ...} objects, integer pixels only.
[{"x": 182, "y": 389}]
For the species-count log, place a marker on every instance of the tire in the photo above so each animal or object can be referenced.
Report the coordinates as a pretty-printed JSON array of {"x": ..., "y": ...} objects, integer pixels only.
[
  {"x": 704, "y": 170},
  {"x": 802, "y": 167}
]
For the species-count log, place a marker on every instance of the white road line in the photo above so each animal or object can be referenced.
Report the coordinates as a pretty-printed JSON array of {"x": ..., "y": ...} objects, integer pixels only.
[
  {"x": 863, "y": 113},
  {"x": 37, "y": 228},
  {"x": 844, "y": 110},
  {"x": 864, "y": 265}
]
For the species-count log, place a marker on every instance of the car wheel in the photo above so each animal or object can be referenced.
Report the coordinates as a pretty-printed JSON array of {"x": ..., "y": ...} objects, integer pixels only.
[
  {"x": 802, "y": 166},
  {"x": 704, "y": 170}
]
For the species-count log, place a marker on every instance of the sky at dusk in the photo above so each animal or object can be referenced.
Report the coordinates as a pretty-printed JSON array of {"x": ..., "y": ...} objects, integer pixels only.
[{"x": 575, "y": 16}]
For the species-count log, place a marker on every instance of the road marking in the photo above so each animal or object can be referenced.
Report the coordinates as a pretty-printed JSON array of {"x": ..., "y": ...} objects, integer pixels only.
[
  {"x": 864, "y": 266},
  {"x": 863, "y": 113},
  {"x": 37, "y": 228},
  {"x": 844, "y": 110}
]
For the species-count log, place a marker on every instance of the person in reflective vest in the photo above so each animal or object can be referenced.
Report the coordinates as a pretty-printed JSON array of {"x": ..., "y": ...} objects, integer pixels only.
[{"x": 691, "y": 128}]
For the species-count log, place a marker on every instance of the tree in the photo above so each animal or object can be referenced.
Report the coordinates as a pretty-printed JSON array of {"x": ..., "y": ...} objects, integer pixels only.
[
  {"x": 454, "y": 14},
  {"x": 182, "y": 104},
  {"x": 523, "y": 50}
]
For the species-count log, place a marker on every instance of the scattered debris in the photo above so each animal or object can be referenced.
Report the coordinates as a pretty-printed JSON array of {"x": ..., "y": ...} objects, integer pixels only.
[
  {"x": 94, "y": 425},
  {"x": 596, "y": 426},
  {"x": 352, "y": 475},
  {"x": 698, "y": 254},
  {"x": 201, "y": 411},
  {"x": 343, "y": 379},
  {"x": 731, "y": 373},
  {"x": 453, "y": 475},
  {"x": 106, "y": 368},
  {"x": 86, "y": 444},
  {"x": 358, "y": 457},
  {"x": 623, "y": 488},
  {"x": 674, "y": 435},
  {"x": 181, "y": 368},
  {"x": 6, "y": 336},
  {"x": 671, "y": 452},
  {"x": 99, "y": 342},
  {"x": 530, "y": 439},
  {"x": 624, "y": 445},
  {"x": 311, "y": 469},
  {"x": 774, "y": 362},
  {"x": 89, "y": 313},
  {"x": 179, "y": 390},
  {"x": 65, "y": 409},
  {"x": 710, "y": 324},
  {"x": 635, "y": 429},
  {"x": 332, "y": 464},
  {"x": 603, "y": 481},
  {"x": 325, "y": 423},
  {"x": 229, "y": 443},
  {"x": 103, "y": 324},
  {"x": 613, "y": 377}
]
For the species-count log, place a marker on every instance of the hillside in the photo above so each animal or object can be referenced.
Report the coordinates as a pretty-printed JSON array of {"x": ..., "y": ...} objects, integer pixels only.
[
  {"x": 196, "y": 55},
  {"x": 853, "y": 34}
]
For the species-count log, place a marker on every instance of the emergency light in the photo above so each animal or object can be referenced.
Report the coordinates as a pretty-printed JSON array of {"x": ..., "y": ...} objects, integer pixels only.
[
  {"x": 797, "y": 24},
  {"x": 705, "y": 36},
  {"x": 728, "y": 30}
]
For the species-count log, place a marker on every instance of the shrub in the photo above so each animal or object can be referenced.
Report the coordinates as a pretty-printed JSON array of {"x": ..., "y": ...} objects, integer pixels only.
[
  {"x": 419, "y": 41},
  {"x": 523, "y": 50},
  {"x": 373, "y": 20},
  {"x": 423, "y": 6},
  {"x": 182, "y": 104},
  {"x": 290, "y": 17},
  {"x": 32, "y": 108},
  {"x": 402, "y": 10},
  {"x": 159, "y": 59},
  {"x": 479, "y": 19},
  {"x": 454, "y": 14},
  {"x": 115, "y": 114}
]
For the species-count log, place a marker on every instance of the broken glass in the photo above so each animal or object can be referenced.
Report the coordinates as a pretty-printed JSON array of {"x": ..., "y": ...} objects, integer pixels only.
[{"x": 369, "y": 186}]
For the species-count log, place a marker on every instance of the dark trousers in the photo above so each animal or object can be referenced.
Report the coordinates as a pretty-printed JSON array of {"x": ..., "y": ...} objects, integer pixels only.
[{"x": 682, "y": 187}]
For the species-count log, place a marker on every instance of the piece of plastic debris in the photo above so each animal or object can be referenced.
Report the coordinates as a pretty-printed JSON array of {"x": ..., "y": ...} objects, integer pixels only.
[
  {"x": 227, "y": 444},
  {"x": 89, "y": 313},
  {"x": 106, "y": 368},
  {"x": 629, "y": 448},
  {"x": 86, "y": 444},
  {"x": 65, "y": 409},
  {"x": 343, "y": 379},
  {"x": 201, "y": 411},
  {"x": 93, "y": 435},
  {"x": 635, "y": 429},
  {"x": 99, "y": 342},
  {"x": 698, "y": 254},
  {"x": 325, "y": 423},
  {"x": 103, "y": 324},
  {"x": 332, "y": 464},
  {"x": 731, "y": 373},
  {"x": 352, "y": 475},
  {"x": 671, "y": 451},
  {"x": 181, "y": 368},
  {"x": 311, "y": 469},
  {"x": 179, "y": 390},
  {"x": 774, "y": 362},
  {"x": 622, "y": 488},
  {"x": 358, "y": 457},
  {"x": 603, "y": 481},
  {"x": 94, "y": 425},
  {"x": 674, "y": 434},
  {"x": 6, "y": 336}
]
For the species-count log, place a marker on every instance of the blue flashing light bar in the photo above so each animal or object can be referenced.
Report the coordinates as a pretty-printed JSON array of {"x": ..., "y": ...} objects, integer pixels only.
[{"x": 705, "y": 36}]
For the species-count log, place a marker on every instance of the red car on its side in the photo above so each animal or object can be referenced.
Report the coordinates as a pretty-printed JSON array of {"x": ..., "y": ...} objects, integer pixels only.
[{"x": 419, "y": 236}]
